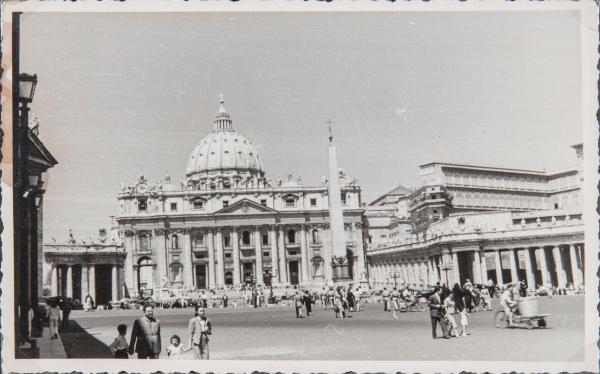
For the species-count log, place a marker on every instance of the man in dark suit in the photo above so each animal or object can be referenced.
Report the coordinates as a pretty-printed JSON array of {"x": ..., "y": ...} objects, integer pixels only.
[
  {"x": 145, "y": 335},
  {"x": 435, "y": 312}
]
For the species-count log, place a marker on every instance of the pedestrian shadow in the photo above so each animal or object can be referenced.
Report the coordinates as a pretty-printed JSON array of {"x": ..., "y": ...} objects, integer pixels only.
[{"x": 79, "y": 343}]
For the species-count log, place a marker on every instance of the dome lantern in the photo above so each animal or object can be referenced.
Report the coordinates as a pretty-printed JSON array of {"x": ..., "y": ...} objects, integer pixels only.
[{"x": 222, "y": 121}]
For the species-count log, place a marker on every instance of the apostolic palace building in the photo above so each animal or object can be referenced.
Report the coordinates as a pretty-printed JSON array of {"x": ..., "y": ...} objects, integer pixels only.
[
  {"x": 229, "y": 223},
  {"x": 480, "y": 223}
]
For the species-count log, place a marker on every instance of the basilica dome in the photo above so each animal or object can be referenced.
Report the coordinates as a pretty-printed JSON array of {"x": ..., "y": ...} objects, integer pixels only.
[{"x": 223, "y": 152}]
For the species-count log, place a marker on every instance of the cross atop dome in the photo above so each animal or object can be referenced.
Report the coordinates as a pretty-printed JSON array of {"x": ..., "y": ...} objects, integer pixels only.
[{"x": 222, "y": 122}]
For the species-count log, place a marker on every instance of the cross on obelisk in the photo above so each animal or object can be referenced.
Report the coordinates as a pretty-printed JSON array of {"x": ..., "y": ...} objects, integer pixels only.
[{"x": 329, "y": 122}]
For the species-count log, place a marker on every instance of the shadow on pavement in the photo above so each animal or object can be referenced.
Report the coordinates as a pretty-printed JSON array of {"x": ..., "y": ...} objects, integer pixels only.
[{"x": 79, "y": 343}]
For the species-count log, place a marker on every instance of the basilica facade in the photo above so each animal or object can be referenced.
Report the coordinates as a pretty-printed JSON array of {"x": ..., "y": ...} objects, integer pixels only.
[{"x": 228, "y": 223}]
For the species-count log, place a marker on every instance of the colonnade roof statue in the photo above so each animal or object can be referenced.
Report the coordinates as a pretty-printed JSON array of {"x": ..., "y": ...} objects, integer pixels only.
[{"x": 223, "y": 152}]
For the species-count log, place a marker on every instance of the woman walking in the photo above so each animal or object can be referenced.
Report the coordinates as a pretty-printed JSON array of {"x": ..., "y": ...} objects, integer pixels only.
[{"x": 459, "y": 302}]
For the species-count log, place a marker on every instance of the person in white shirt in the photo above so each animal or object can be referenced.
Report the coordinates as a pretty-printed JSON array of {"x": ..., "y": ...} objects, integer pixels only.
[
  {"x": 53, "y": 318},
  {"x": 175, "y": 349},
  {"x": 507, "y": 301}
]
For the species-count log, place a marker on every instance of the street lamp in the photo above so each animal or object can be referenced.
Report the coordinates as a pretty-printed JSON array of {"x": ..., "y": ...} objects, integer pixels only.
[
  {"x": 395, "y": 275},
  {"x": 445, "y": 267},
  {"x": 27, "y": 84},
  {"x": 26, "y": 182}
]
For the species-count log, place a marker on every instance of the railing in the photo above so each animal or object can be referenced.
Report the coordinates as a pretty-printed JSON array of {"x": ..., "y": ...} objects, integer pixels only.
[{"x": 83, "y": 248}]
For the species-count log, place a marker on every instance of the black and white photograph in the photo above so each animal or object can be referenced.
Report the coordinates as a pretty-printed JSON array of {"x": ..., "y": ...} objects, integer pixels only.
[{"x": 299, "y": 187}]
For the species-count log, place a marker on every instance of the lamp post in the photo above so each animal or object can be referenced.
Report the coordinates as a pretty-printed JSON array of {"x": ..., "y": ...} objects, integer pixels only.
[
  {"x": 445, "y": 267},
  {"x": 395, "y": 275},
  {"x": 26, "y": 184}
]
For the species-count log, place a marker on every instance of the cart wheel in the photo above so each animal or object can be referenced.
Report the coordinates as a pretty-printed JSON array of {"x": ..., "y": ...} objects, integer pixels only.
[
  {"x": 542, "y": 323},
  {"x": 500, "y": 320}
]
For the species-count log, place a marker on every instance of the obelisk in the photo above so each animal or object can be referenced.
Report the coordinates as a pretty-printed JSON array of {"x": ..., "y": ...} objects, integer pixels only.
[{"x": 338, "y": 253}]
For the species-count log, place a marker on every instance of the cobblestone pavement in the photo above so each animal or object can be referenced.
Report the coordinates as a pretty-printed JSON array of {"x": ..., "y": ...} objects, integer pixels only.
[{"x": 275, "y": 333}]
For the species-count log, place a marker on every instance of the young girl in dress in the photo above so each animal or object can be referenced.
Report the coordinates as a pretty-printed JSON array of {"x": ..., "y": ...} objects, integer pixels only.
[
  {"x": 175, "y": 349},
  {"x": 449, "y": 305},
  {"x": 119, "y": 345}
]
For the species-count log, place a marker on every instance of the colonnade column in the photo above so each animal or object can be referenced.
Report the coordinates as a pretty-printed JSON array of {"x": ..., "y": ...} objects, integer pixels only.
[
  {"x": 69, "y": 281},
  {"x": 114, "y": 283},
  {"x": 258, "y": 255},
  {"x": 54, "y": 281},
  {"x": 561, "y": 276},
  {"x": 455, "y": 268},
  {"x": 577, "y": 276},
  {"x": 211, "y": 258},
  {"x": 543, "y": 265},
  {"x": 282, "y": 258},
  {"x": 498, "y": 265},
  {"x": 483, "y": 267},
  {"x": 476, "y": 268},
  {"x": 92, "y": 281},
  {"x": 220, "y": 260},
  {"x": 84, "y": 283},
  {"x": 236, "y": 255},
  {"x": 514, "y": 275},
  {"x": 528, "y": 269},
  {"x": 304, "y": 254},
  {"x": 274, "y": 255}
]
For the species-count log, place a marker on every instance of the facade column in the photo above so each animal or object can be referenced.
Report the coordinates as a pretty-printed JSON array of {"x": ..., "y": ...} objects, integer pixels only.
[
  {"x": 483, "y": 267},
  {"x": 92, "y": 281},
  {"x": 258, "y": 255},
  {"x": 274, "y": 255},
  {"x": 130, "y": 281},
  {"x": 54, "y": 281},
  {"x": 514, "y": 275},
  {"x": 575, "y": 272},
  {"x": 114, "y": 283},
  {"x": 561, "y": 276},
  {"x": 543, "y": 266},
  {"x": 84, "y": 283},
  {"x": 70, "y": 281},
  {"x": 135, "y": 276},
  {"x": 236, "y": 255},
  {"x": 220, "y": 259},
  {"x": 498, "y": 263},
  {"x": 304, "y": 254},
  {"x": 476, "y": 268},
  {"x": 210, "y": 247},
  {"x": 430, "y": 278},
  {"x": 528, "y": 269},
  {"x": 282, "y": 258},
  {"x": 188, "y": 267}
]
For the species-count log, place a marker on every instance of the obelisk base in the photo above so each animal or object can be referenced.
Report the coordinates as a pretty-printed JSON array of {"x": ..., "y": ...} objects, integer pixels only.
[{"x": 340, "y": 269}]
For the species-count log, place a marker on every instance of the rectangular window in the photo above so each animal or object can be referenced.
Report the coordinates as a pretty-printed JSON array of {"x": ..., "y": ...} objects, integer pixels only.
[
  {"x": 173, "y": 207},
  {"x": 290, "y": 202},
  {"x": 343, "y": 198},
  {"x": 228, "y": 255},
  {"x": 265, "y": 239},
  {"x": 198, "y": 205},
  {"x": 225, "y": 203},
  {"x": 263, "y": 202},
  {"x": 266, "y": 254},
  {"x": 142, "y": 205},
  {"x": 313, "y": 202},
  {"x": 226, "y": 241}
]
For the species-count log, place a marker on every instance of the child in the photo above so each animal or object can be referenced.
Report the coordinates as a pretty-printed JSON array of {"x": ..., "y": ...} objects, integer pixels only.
[
  {"x": 175, "y": 349},
  {"x": 119, "y": 345}
]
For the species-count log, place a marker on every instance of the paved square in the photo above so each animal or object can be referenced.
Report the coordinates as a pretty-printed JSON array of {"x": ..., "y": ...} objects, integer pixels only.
[{"x": 275, "y": 334}]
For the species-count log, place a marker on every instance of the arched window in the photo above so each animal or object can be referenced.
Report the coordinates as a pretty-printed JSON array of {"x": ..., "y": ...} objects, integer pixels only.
[
  {"x": 176, "y": 272},
  {"x": 291, "y": 234},
  {"x": 246, "y": 238},
  {"x": 174, "y": 242},
  {"x": 144, "y": 242},
  {"x": 315, "y": 236},
  {"x": 198, "y": 240}
]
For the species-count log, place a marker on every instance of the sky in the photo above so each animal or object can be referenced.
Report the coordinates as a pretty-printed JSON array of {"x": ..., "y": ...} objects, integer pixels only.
[{"x": 121, "y": 95}]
